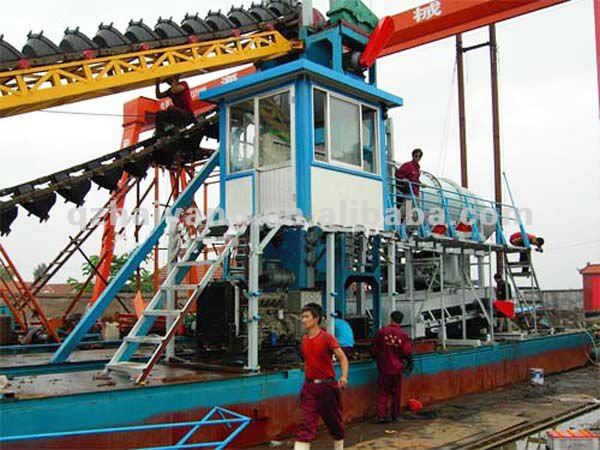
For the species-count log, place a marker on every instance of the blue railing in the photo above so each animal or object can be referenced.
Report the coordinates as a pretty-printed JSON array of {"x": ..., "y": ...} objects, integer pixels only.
[
  {"x": 454, "y": 204},
  {"x": 234, "y": 422}
]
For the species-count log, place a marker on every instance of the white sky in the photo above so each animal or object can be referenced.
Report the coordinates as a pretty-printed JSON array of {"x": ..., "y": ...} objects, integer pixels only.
[{"x": 549, "y": 116}]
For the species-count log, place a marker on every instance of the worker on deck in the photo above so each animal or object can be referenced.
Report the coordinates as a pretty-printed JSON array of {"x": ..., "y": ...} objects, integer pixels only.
[
  {"x": 320, "y": 396},
  {"x": 392, "y": 349},
  {"x": 181, "y": 112},
  {"x": 503, "y": 294},
  {"x": 344, "y": 334},
  {"x": 516, "y": 239}
]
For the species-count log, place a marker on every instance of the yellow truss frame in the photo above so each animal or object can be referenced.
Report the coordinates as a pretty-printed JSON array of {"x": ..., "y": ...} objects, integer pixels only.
[{"x": 38, "y": 88}]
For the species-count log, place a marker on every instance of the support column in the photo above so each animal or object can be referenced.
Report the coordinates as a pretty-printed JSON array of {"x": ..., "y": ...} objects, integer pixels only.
[
  {"x": 442, "y": 301},
  {"x": 391, "y": 274},
  {"x": 464, "y": 264},
  {"x": 410, "y": 290},
  {"x": 496, "y": 128},
  {"x": 253, "y": 295},
  {"x": 490, "y": 291},
  {"x": 330, "y": 282},
  {"x": 462, "y": 113}
]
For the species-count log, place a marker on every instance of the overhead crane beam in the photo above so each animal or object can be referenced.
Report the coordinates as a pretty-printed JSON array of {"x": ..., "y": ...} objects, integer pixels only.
[
  {"x": 440, "y": 19},
  {"x": 28, "y": 90}
]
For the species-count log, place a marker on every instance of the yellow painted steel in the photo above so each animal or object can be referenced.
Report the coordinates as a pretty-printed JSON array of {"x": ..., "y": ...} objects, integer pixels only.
[{"x": 38, "y": 88}]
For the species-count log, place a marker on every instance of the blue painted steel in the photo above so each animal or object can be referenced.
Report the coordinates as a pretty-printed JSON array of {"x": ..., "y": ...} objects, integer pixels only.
[
  {"x": 383, "y": 149},
  {"x": 207, "y": 420},
  {"x": 137, "y": 257},
  {"x": 526, "y": 242},
  {"x": 304, "y": 145},
  {"x": 142, "y": 404},
  {"x": 302, "y": 65},
  {"x": 357, "y": 172}
]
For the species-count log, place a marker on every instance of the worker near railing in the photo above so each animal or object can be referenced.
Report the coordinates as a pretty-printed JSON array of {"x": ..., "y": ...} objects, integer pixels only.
[
  {"x": 344, "y": 334},
  {"x": 392, "y": 350},
  {"x": 408, "y": 177},
  {"x": 516, "y": 239},
  {"x": 181, "y": 112},
  {"x": 320, "y": 396}
]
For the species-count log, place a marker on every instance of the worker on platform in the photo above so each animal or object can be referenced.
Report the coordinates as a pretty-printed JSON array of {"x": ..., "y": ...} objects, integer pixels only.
[
  {"x": 344, "y": 334},
  {"x": 516, "y": 239},
  {"x": 181, "y": 112},
  {"x": 320, "y": 396},
  {"x": 409, "y": 175},
  {"x": 392, "y": 349}
]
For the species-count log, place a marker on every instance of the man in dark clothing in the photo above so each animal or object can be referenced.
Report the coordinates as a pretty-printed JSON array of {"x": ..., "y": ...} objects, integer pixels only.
[
  {"x": 502, "y": 289},
  {"x": 181, "y": 112},
  {"x": 320, "y": 396},
  {"x": 392, "y": 349}
]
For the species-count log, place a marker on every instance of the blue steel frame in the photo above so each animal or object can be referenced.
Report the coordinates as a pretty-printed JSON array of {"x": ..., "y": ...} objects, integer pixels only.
[{"x": 235, "y": 419}]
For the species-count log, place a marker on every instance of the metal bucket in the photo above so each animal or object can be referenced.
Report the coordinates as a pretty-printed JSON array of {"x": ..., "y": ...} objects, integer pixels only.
[{"x": 536, "y": 376}]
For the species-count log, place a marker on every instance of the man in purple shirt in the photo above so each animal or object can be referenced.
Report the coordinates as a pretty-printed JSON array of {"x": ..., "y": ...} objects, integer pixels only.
[{"x": 392, "y": 349}]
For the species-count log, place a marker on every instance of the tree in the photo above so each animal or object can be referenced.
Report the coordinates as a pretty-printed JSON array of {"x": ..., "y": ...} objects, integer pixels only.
[
  {"x": 39, "y": 270},
  {"x": 146, "y": 279}
]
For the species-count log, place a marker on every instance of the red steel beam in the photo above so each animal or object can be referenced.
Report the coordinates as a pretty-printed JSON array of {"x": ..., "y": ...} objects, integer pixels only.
[{"x": 440, "y": 19}]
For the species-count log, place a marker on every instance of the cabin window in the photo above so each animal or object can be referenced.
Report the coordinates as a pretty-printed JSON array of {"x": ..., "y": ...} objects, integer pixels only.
[
  {"x": 241, "y": 136},
  {"x": 275, "y": 144},
  {"x": 320, "y": 124},
  {"x": 345, "y": 132},
  {"x": 369, "y": 139}
]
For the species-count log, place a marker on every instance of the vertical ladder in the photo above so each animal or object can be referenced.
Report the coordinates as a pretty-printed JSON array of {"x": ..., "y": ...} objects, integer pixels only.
[
  {"x": 121, "y": 360},
  {"x": 18, "y": 297},
  {"x": 528, "y": 294}
]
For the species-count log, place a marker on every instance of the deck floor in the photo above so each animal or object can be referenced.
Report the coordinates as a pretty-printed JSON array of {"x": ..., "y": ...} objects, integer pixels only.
[{"x": 465, "y": 420}]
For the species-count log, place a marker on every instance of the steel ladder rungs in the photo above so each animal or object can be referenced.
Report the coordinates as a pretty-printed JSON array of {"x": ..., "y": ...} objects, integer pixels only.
[
  {"x": 127, "y": 367},
  {"x": 180, "y": 287},
  {"x": 207, "y": 262},
  {"x": 154, "y": 340},
  {"x": 162, "y": 312}
]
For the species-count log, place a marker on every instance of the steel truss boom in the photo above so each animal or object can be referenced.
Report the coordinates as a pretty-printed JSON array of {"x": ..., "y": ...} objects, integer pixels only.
[{"x": 37, "y": 88}]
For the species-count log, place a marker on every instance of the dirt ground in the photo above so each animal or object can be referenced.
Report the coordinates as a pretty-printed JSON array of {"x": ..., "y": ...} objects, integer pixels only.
[{"x": 465, "y": 420}]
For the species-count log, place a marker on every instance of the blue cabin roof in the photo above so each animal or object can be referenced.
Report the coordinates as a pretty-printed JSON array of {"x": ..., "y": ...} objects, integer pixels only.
[{"x": 270, "y": 77}]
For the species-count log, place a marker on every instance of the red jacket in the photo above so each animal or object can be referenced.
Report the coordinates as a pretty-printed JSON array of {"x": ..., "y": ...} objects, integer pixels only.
[
  {"x": 182, "y": 100},
  {"x": 516, "y": 239},
  {"x": 410, "y": 171},
  {"x": 390, "y": 347}
]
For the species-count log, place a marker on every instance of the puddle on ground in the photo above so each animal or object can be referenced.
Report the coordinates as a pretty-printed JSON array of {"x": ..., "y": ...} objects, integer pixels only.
[{"x": 537, "y": 441}]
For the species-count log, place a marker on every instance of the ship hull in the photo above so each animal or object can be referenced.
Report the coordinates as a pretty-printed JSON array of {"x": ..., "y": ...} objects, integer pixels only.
[{"x": 271, "y": 400}]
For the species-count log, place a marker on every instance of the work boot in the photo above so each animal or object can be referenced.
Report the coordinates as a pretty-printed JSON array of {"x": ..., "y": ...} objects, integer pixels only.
[
  {"x": 338, "y": 445},
  {"x": 305, "y": 445}
]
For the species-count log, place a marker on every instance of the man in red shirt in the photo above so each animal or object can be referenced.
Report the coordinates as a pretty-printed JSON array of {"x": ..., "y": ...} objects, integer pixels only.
[
  {"x": 320, "y": 396},
  {"x": 392, "y": 349},
  {"x": 516, "y": 239},
  {"x": 410, "y": 173},
  {"x": 181, "y": 113}
]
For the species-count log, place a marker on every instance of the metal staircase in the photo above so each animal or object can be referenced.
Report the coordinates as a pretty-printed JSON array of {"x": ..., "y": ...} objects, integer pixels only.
[
  {"x": 163, "y": 303},
  {"x": 526, "y": 288}
]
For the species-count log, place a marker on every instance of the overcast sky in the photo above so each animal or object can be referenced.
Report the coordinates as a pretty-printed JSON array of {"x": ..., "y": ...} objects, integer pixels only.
[{"x": 549, "y": 116}]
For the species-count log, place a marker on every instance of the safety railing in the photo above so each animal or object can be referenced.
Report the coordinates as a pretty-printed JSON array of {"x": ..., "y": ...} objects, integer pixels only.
[
  {"x": 234, "y": 422},
  {"x": 459, "y": 213}
]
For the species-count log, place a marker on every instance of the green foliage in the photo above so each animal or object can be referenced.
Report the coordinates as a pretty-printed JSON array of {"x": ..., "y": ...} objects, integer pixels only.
[
  {"x": 146, "y": 279},
  {"x": 39, "y": 270}
]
